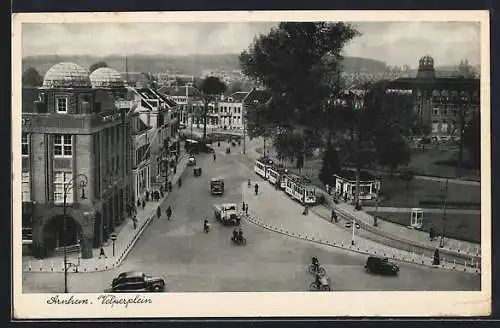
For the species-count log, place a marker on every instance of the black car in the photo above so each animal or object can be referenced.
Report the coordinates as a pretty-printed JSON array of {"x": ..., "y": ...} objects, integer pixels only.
[
  {"x": 133, "y": 281},
  {"x": 381, "y": 265}
]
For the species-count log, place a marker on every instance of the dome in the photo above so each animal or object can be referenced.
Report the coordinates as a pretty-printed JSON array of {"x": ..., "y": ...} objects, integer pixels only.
[
  {"x": 106, "y": 77},
  {"x": 426, "y": 61},
  {"x": 66, "y": 75}
]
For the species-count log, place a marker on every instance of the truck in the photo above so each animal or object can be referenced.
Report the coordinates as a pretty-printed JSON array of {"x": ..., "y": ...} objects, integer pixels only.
[
  {"x": 217, "y": 186},
  {"x": 227, "y": 214}
]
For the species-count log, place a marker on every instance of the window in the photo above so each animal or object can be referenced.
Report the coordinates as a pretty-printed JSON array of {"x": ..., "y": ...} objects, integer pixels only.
[
  {"x": 60, "y": 178},
  {"x": 62, "y": 104},
  {"x": 25, "y": 145},
  {"x": 63, "y": 145},
  {"x": 26, "y": 187},
  {"x": 436, "y": 111}
]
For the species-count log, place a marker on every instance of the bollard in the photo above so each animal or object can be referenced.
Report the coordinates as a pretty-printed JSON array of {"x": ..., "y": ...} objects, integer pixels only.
[
  {"x": 29, "y": 265},
  {"x": 453, "y": 263},
  {"x": 51, "y": 265}
]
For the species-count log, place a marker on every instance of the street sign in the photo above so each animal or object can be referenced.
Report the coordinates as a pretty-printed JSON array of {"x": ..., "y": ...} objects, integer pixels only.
[
  {"x": 112, "y": 236},
  {"x": 349, "y": 225}
]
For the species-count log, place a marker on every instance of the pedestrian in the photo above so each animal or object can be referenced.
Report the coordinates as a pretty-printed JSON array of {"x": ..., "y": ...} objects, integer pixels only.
[
  {"x": 436, "y": 260},
  {"x": 134, "y": 221},
  {"x": 334, "y": 216},
  {"x": 243, "y": 206},
  {"x": 157, "y": 195},
  {"x": 169, "y": 212},
  {"x": 306, "y": 210},
  {"x": 161, "y": 190},
  {"x": 129, "y": 211},
  {"x": 246, "y": 209},
  {"x": 215, "y": 157},
  {"x": 138, "y": 202},
  {"x": 101, "y": 254},
  {"x": 147, "y": 195},
  {"x": 143, "y": 204},
  {"x": 162, "y": 193},
  {"x": 158, "y": 212},
  {"x": 175, "y": 169}
]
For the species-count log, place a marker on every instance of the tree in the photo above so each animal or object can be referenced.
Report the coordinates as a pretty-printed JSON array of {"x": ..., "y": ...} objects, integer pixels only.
[
  {"x": 393, "y": 152},
  {"x": 235, "y": 87},
  {"x": 31, "y": 78},
  {"x": 472, "y": 139},
  {"x": 97, "y": 65},
  {"x": 330, "y": 166},
  {"x": 210, "y": 87},
  {"x": 299, "y": 64}
]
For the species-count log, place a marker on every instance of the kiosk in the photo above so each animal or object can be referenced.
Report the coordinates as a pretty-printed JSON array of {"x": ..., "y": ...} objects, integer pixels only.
[{"x": 416, "y": 218}]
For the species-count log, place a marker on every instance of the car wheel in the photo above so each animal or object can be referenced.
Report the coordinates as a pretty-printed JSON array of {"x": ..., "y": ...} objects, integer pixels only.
[{"x": 156, "y": 289}]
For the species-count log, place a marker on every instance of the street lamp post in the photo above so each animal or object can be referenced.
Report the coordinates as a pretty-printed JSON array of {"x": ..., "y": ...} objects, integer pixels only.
[
  {"x": 113, "y": 237},
  {"x": 68, "y": 186}
]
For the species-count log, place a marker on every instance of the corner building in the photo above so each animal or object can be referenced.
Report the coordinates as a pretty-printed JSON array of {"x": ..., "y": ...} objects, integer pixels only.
[{"x": 71, "y": 126}]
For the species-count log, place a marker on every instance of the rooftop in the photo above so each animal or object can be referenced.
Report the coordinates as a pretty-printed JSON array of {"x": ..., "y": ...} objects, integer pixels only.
[
  {"x": 66, "y": 75},
  {"x": 106, "y": 77}
]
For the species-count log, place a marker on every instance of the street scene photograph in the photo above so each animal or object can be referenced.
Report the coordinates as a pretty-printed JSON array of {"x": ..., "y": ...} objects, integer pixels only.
[{"x": 267, "y": 156}]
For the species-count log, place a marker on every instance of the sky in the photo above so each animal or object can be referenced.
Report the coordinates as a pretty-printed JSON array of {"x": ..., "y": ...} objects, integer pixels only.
[{"x": 395, "y": 43}]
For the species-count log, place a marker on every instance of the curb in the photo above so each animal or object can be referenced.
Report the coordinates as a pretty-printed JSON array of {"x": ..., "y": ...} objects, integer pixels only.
[{"x": 411, "y": 260}]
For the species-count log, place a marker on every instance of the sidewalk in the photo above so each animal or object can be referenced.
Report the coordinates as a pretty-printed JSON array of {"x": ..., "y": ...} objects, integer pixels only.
[
  {"x": 283, "y": 215},
  {"x": 426, "y": 210},
  {"x": 126, "y": 238}
]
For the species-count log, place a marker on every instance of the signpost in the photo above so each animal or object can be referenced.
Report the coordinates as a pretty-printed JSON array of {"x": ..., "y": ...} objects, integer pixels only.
[{"x": 113, "y": 238}]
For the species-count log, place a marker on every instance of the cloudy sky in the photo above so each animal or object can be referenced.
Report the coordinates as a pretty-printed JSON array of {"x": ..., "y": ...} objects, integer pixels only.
[{"x": 395, "y": 43}]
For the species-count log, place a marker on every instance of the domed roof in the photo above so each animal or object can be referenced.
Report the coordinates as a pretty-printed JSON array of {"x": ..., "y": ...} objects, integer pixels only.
[
  {"x": 106, "y": 77},
  {"x": 66, "y": 75},
  {"x": 426, "y": 61}
]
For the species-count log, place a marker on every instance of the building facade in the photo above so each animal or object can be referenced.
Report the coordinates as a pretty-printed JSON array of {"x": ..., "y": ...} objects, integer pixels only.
[
  {"x": 230, "y": 111},
  {"x": 75, "y": 146},
  {"x": 443, "y": 104},
  {"x": 154, "y": 121}
]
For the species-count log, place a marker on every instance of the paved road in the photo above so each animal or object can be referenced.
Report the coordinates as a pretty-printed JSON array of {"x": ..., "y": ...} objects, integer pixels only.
[{"x": 191, "y": 260}]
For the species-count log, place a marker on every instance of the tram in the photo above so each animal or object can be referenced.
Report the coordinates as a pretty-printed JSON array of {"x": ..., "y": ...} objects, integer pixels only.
[
  {"x": 276, "y": 174},
  {"x": 262, "y": 165},
  {"x": 300, "y": 189}
]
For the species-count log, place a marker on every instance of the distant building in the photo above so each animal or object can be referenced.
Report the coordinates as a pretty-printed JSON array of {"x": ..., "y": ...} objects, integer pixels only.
[
  {"x": 441, "y": 103},
  {"x": 230, "y": 110},
  {"x": 71, "y": 126}
]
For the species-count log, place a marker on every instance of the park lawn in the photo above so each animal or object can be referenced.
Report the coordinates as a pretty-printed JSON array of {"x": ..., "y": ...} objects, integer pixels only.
[
  {"x": 465, "y": 227},
  {"x": 426, "y": 163},
  {"x": 393, "y": 193}
]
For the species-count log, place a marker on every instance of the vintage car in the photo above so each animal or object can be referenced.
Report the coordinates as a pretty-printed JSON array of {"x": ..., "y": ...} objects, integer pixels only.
[
  {"x": 381, "y": 265},
  {"x": 134, "y": 281}
]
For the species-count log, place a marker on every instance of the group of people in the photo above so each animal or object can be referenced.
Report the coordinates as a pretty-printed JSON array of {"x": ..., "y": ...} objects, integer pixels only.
[{"x": 238, "y": 234}]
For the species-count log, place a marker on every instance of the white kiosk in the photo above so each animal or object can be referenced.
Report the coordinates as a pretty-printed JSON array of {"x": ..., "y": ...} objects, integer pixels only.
[{"x": 416, "y": 218}]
